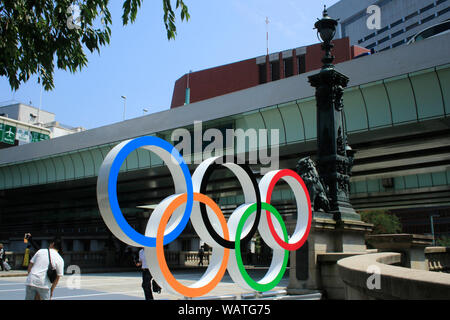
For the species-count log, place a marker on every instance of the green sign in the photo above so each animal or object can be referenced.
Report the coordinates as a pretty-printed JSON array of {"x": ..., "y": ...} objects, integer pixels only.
[
  {"x": 9, "y": 134},
  {"x": 23, "y": 135},
  {"x": 1, "y": 131},
  {"x": 36, "y": 136}
]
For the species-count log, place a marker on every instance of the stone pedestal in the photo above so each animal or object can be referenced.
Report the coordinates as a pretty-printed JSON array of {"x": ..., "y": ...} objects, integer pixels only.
[
  {"x": 411, "y": 246},
  {"x": 350, "y": 236},
  {"x": 326, "y": 236}
]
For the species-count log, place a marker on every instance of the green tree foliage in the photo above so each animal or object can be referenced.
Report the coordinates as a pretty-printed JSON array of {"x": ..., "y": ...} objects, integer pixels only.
[
  {"x": 443, "y": 241},
  {"x": 384, "y": 222},
  {"x": 36, "y": 34}
]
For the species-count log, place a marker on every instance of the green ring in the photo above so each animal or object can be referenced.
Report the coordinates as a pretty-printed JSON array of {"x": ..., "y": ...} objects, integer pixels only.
[{"x": 252, "y": 283}]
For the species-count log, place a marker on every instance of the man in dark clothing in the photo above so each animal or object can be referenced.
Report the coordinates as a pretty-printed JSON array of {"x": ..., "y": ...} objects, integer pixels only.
[
  {"x": 2, "y": 256},
  {"x": 146, "y": 276},
  {"x": 201, "y": 254}
]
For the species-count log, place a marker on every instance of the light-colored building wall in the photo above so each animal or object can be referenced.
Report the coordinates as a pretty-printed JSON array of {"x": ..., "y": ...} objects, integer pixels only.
[
  {"x": 27, "y": 114},
  {"x": 58, "y": 130},
  {"x": 400, "y": 20}
]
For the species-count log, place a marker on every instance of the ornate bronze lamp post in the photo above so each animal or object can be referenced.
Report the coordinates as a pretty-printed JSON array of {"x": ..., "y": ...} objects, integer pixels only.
[{"x": 335, "y": 157}]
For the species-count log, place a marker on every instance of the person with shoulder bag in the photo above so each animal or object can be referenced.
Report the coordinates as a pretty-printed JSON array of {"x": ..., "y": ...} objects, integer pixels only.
[
  {"x": 148, "y": 283},
  {"x": 2, "y": 257},
  {"x": 44, "y": 271}
]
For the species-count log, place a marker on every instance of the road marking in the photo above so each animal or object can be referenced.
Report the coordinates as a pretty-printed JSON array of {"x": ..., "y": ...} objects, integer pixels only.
[
  {"x": 12, "y": 290},
  {"x": 12, "y": 284},
  {"x": 96, "y": 294},
  {"x": 97, "y": 285}
]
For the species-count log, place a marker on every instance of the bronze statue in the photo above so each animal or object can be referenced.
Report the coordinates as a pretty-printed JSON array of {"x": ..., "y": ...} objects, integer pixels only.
[{"x": 306, "y": 168}]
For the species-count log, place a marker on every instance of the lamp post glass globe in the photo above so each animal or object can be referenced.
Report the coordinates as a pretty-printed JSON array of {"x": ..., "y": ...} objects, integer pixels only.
[
  {"x": 326, "y": 27},
  {"x": 326, "y": 33}
]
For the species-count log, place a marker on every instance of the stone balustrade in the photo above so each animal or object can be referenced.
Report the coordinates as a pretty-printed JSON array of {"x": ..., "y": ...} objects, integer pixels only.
[
  {"x": 109, "y": 259},
  {"x": 373, "y": 276},
  {"x": 438, "y": 259}
]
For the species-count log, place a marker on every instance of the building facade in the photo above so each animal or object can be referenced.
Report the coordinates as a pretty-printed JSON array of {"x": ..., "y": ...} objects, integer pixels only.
[
  {"x": 217, "y": 81},
  {"x": 400, "y": 20},
  {"x": 21, "y": 124}
]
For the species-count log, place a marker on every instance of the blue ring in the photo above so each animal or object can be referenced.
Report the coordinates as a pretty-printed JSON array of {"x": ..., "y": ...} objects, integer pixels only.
[{"x": 112, "y": 189}]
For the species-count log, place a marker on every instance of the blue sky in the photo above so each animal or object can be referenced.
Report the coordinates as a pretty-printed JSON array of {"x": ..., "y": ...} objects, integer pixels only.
[{"x": 143, "y": 65}]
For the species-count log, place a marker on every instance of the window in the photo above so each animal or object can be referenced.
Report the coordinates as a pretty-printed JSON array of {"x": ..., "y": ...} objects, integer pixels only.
[
  {"x": 86, "y": 245},
  {"x": 275, "y": 70},
  {"x": 429, "y": 18},
  {"x": 440, "y": 1},
  {"x": 186, "y": 245},
  {"x": 382, "y": 40},
  {"x": 301, "y": 64},
  {"x": 426, "y": 8},
  {"x": 288, "y": 67},
  {"x": 397, "y": 33},
  {"x": 440, "y": 13},
  {"x": 372, "y": 45},
  {"x": 396, "y": 23},
  {"x": 412, "y": 26},
  {"x": 382, "y": 30},
  {"x": 398, "y": 43},
  {"x": 412, "y": 15},
  {"x": 370, "y": 36},
  {"x": 440, "y": 28},
  {"x": 68, "y": 245},
  {"x": 262, "y": 73}
]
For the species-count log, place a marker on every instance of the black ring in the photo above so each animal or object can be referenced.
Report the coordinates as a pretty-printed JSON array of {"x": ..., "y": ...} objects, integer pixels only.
[{"x": 226, "y": 243}]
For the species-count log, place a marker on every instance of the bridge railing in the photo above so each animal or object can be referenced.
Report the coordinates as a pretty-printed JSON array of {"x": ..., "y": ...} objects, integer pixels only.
[
  {"x": 373, "y": 276},
  {"x": 438, "y": 259}
]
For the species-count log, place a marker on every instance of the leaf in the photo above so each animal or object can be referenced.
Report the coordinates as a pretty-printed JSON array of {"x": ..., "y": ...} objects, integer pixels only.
[{"x": 36, "y": 35}]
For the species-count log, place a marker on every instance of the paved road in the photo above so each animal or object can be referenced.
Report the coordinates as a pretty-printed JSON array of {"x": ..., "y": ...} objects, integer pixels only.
[{"x": 119, "y": 286}]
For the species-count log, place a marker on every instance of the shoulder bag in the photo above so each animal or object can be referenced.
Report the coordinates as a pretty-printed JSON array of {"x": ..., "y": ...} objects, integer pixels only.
[{"x": 51, "y": 272}]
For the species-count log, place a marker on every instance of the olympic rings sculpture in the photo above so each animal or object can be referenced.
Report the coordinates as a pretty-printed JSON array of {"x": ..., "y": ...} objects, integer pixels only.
[{"x": 189, "y": 202}]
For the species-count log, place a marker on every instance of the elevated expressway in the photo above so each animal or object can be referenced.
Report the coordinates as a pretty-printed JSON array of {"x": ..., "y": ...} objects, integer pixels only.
[{"x": 397, "y": 108}]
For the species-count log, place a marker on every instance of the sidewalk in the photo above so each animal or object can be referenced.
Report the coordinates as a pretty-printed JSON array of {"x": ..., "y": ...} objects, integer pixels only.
[
  {"x": 13, "y": 273},
  {"x": 127, "y": 286}
]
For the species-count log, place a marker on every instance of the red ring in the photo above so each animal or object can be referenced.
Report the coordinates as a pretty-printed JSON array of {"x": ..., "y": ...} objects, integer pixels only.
[{"x": 281, "y": 242}]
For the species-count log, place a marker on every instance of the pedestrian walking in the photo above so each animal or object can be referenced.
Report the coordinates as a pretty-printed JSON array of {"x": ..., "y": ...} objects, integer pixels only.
[
  {"x": 146, "y": 276},
  {"x": 2, "y": 257},
  {"x": 45, "y": 264},
  {"x": 201, "y": 254},
  {"x": 26, "y": 258}
]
